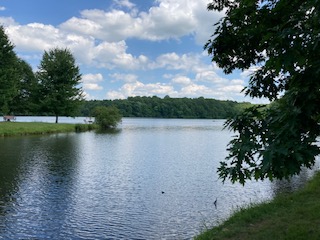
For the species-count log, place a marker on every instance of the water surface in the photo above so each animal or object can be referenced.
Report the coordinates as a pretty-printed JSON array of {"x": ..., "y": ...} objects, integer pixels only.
[{"x": 153, "y": 179}]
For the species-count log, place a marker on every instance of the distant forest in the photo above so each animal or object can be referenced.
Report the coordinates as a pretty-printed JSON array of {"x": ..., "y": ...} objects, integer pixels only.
[{"x": 155, "y": 107}]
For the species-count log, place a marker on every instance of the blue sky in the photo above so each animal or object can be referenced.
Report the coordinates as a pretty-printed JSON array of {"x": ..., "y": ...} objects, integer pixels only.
[{"x": 126, "y": 47}]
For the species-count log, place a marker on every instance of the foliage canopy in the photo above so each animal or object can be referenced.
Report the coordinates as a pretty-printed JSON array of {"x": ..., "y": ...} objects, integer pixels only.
[
  {"x": 59, "y": 80},
  {"x": 9, "y": 76},
  {"x": 167, "y": 107},
  {"x": 25, "y": 101},
  {"x": 107, "y": 117},
  {"x": 280, "y": 40},
  {"x": 17, "y": 80}
]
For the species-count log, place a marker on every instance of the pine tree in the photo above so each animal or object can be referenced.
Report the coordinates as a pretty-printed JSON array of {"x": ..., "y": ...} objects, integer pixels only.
[{"x": 9, "y": 73}]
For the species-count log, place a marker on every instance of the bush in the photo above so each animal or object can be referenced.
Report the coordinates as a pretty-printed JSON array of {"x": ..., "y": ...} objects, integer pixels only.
[{"x": 107, "y": 117}]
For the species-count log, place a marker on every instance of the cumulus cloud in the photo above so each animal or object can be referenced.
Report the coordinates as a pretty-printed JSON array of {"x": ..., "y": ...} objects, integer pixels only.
[
  {"x": 181, "y": 80},
  {"x": 35, "y": 36},
  {"x": 113, "y": 54},
  {"x": 124, "y": 3},
  {"x": 173, "y": 61},
  {"x": 178, "y": 86},
  {"x": 141, "y": 89},
  {"x": 128, "y": 78},
  {"x": 115, "y": 25},
  {"x": 193, "y": 90},
  {"x": 92, "y": 78},
  {"x": 39, "y": 37},
  {"x": 99, "y": 39},
  {"x": 169, "y": 19},
  {"x": 210, "y": 77},
  {"x": 87, "y": 96},
  {"x": 92, "y": 86},
  {"x": 205, "y": 21},
  {"x": 90, "y": 81},
  {"x": 7, "y": 21}
]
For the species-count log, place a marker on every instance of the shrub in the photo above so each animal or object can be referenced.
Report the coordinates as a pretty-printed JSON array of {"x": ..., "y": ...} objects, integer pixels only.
[{"x": 107, "y": 117}]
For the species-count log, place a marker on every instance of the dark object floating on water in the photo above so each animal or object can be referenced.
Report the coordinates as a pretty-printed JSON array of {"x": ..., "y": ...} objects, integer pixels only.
[
  {"x": 215, "y": 203},
  {"x": 162, "y": 192}
]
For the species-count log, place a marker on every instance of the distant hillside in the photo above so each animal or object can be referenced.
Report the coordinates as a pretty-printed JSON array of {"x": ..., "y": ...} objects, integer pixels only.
[{"x": 169, "y": 107}]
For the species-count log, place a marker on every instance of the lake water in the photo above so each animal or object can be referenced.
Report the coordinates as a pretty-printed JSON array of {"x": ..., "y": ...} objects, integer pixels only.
[{"x": 153, "y": 179}]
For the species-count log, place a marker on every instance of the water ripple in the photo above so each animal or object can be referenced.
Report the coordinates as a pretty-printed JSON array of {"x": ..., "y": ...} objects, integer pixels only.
[{"x": 155, "y": 179}]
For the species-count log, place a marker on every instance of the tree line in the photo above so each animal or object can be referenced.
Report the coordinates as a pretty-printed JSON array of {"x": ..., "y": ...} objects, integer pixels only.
[{"x": 167, "y": 107}]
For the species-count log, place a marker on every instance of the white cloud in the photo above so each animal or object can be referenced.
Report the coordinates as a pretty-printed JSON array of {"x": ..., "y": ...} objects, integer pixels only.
[
  {"x": 92, "y": 86},
  {"x": 92, "y": 78},
  {"x": 97, "y": 38},
  {"x": 90, "y": 81},
  {"x": 110, "y": 55},
  {"x": 87, "y": 96},
  {"x": 2, "y": 8},
  {"x": 82, "y": 26},
  {"x": 35, "y": 36},
  {"x": 173, "y": 61},
  {"x": 237, "y": 82},
  {"x": 141, "y": 89},
  {"x": 182, "y": 80},
  {"x": 112, "y": 26},
  {"x": 128, "y": 78},
  {"x": 210, "y": 77},
  {"x": 124, "y": 3},
  {"x": 194, "y": 90},
  {"x": 39, "y": 37},
  {"x": 205, "y": 21},
  {"x": 7, "y": 21},
  {"x": 248, "y": 72},
  {"x": 180, "y": 86},
  {"x": 234, "y": 89},
  {"x": 169, "y": 19},
  {"x": 115, "y": 95}
]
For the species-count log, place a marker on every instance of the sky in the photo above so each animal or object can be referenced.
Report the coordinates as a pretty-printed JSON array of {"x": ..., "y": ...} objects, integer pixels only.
[{"x": 126, "y": 47}]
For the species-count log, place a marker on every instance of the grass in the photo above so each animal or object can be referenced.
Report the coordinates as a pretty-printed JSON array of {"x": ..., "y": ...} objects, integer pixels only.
[
  {"x": 288, "y": 216},
  {"x": 27, "y": 128}
]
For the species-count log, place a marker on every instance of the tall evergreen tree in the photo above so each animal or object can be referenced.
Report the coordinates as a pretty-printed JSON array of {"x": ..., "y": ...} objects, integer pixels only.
[
  {"x": 59, "y": 78},
  {"x": 9, "y": 73},
  {"x": 26, "y": 100}
]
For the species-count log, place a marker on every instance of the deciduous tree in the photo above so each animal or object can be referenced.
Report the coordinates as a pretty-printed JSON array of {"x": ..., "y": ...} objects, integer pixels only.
[
  {"x": 280, "y": 39},
  {"x": 59, "y": 78}
]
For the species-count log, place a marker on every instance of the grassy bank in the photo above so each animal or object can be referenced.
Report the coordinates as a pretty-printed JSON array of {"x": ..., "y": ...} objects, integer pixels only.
[
  {"x": 26, "y": 128},
  {"x": 288, "y": 216}
]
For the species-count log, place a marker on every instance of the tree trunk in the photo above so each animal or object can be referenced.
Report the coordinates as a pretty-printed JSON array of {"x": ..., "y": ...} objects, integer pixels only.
[{"x": 56, "y": 118}]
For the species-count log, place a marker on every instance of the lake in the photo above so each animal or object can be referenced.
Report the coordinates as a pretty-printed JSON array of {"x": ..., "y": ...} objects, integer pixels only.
[{"x": 153, "y": 179}]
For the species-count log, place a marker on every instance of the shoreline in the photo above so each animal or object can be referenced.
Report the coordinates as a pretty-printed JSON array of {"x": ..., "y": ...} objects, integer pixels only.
[
  {"x": 38, "y": 128},
  {"x": 293, "y": 215}
]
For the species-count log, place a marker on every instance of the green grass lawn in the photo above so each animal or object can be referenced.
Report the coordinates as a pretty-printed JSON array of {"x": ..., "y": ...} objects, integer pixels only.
[
  {"x": 288, "y": 216},
  {"x": 26, "y": 128}
]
